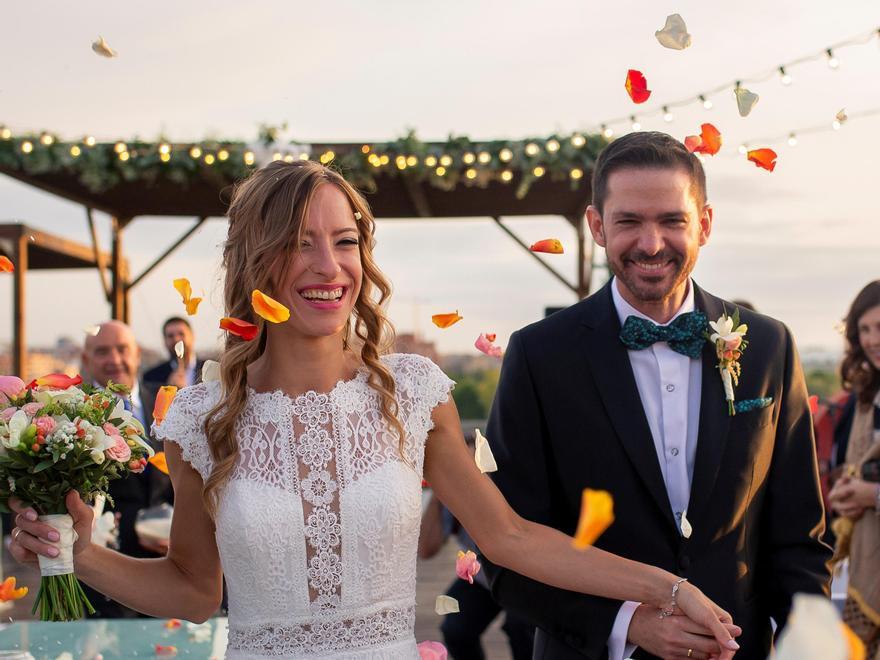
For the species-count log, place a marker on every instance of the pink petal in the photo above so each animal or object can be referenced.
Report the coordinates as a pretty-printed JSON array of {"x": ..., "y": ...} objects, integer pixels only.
[
  {"x": 484, "y": 345},
  {"x": 432, "y": 651}
]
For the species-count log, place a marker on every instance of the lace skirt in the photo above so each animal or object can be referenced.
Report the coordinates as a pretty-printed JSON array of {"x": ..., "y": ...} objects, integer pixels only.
[{"x": 400, "y": 650}]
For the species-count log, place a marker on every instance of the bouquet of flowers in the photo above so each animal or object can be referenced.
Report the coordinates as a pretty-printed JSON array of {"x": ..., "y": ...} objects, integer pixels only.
[{"x": 57, "y": 435}]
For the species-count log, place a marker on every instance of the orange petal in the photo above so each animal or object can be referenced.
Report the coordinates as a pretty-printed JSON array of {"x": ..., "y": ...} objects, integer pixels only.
[
  {"x": 856, "y": 646},
  {"x": 55, "y": 381},
  {"x": 192, "y": 306},
  {"x": 162, "y": 651},
  {"x": 183, "y": 288},
  {"x": 765, "y": 158},
  {"x": 163, "y": 402},
  {"x": 445, "y": 320},
  {"x": 6, "y": 265},
  {"x": 693, "y": 142},
  {"x": 269, "y": 309},
  {"x": 637, "y": 86},
  {"x": 243, "y": 329},
  {"x": 159, "y": 461},
  {"x": 711, "y": 140},
  {"x": 9, "y": 592},
  {"x": 548, "y": 245},
  {"x": 172, "y": 624},
  {"x": 597, "y": 513}
]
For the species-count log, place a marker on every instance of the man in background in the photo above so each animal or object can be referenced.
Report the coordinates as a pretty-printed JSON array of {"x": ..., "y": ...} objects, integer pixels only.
[{"x": 178, "y": 372}]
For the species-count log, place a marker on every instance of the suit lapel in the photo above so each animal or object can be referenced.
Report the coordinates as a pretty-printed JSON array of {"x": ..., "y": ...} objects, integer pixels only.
[
  {"x": 612, "y": 371},
  {"x": 714, "y": 420}
]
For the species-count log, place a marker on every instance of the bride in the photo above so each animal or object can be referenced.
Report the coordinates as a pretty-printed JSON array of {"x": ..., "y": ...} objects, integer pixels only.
[{"x": 297, "y": 476}]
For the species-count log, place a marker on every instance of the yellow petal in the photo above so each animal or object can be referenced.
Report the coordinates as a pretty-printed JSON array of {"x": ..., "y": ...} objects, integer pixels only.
[
  {"x": 742, "y": 329},
  {"x": 446, "y": 605},
  {"x": 483, "y": 455},
  {"x": 271, "y": 310},
  {"x": 597, "y": 514},
  {"x": 102, "y": 48},
  {"x": 183, "y": 288},
  {"x": 192, "y": 306},
  {"x": 159, "y": 461}
]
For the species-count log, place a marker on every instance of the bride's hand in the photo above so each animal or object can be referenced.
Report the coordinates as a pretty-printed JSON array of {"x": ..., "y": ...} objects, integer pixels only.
[
  {"x": 30, "y": 537},
  {"x": 694, "y": 604}
]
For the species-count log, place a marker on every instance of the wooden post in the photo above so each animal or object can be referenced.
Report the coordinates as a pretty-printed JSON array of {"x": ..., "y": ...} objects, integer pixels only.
[
  {"x": 19, "y": 336},
  {"x": 118, "y": 296}
]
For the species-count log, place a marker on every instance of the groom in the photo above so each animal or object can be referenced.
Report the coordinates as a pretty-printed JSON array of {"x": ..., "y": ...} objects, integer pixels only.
[{"x": 621, "y": 392}]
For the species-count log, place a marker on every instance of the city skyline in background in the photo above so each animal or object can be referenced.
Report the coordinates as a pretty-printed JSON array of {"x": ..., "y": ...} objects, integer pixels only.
[{"x": 798, "y": 243}]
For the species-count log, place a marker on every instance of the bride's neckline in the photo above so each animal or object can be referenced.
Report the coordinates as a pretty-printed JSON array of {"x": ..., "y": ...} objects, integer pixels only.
[{"x": 342, "y": 382}]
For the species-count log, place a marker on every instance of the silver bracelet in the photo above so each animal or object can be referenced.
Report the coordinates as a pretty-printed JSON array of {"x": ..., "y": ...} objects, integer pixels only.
[{"x": 671, "y": 609}]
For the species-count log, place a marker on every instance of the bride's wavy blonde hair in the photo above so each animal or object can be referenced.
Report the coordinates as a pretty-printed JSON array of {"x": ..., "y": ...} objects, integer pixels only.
[{"x": 266, "y": 218}]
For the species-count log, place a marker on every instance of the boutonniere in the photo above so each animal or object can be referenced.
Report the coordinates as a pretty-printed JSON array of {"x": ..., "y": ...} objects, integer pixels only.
[{"x": 730, "y": 342}]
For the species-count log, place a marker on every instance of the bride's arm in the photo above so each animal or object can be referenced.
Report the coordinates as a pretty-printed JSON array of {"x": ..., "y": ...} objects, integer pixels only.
[
  {"x": 185, "y": 584},
  {"x": 543, "y": 553}
]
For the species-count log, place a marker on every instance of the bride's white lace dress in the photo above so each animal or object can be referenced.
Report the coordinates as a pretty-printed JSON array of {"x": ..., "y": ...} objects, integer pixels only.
[{"x": 318, "y": 526}]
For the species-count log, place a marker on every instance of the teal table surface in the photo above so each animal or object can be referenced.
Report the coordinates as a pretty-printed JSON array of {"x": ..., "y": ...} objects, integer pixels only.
[{"x": 113, "y": 639}]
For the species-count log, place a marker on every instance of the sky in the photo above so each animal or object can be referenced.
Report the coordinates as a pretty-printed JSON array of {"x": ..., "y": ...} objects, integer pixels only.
[{"x": 798, "y": 242}]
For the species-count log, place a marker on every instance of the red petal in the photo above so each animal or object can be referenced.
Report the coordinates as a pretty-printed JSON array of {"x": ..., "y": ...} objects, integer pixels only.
[
  {"x": 693, "y": 143},
  {"x": 55, "y": 381},
  {"x": 243, "y": 329},
  {"x": 6, "y": 265},
  {"x": 711, "y": 140},
  {"x": 637, "y": 86},
  {"x": 548, "y": 245},
  {"x": 814, "y": 405},
  {"x": 765, "y": 158}
]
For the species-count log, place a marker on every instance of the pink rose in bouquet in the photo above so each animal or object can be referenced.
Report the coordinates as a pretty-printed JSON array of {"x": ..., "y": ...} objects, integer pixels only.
[
  {"x": 120, "y": 451},
  {"x": 10, "y": 388},
  {"x": 45, "y": 425},
  {"x": 7, "y": 413},
  {"x": 32, "y": 408}
]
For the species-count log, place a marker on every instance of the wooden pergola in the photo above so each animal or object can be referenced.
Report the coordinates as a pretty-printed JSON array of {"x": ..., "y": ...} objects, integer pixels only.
[
  {"x": 395, "y": 195},
  {"x": 32, "y": 249}
]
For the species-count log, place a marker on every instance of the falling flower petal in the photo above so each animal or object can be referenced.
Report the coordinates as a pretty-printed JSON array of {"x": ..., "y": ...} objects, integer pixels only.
[
  {"x": 9, "y": 592},
  {"x": 484, "y": 345},
  {"x": 674, "y": 34},
  {"x": 548, "y": 246},
  {"x": 55, "y": 381},
  {"x": 173, "y": 624},
  {"x": 102, "y": 48},
  {"x": 745, "y": 101},
  {"x": 271, "y": 310},
  {"x": 637, "y": 86},
  {"x": 467, "y": 566},
  {"x": 6, "y": 265},
  {"x": 857, "y": 650},
  {"x": 432, "y": 651},
  {"x": 841, "y": 115},
  {"x": 707, "y": 142},
  {"x": 446, "y": 605},
  {"x": 765, "y": 158},
  {"x": 814, "y": 405},
  {"x": 243, "y": 329},
  {"x": 483, "y": 454},
  {"x": 160, "y": 462},
  {"x": 597, "y": 513},
  {"x": 446, "y": 320},
  {"x": 686, "y": 529},
  {"x": 192, "y": 306},
  {"x": 179, "y": 350},
  {"x": 185, "y": 290},
  {"x": 164, "y": 398},
  {"x": 162, "y": 651},
  {"x": 815, "y": 632},
  {"x": 210, "y": 371}
]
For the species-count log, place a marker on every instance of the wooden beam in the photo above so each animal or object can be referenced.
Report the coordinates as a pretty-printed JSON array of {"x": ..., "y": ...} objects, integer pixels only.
[
  {"x": 99, "y": 256},
  {"x": 164, "y": 255},
  {"x": 525, "y": 247},
  {"x": 19, "y": 325}
]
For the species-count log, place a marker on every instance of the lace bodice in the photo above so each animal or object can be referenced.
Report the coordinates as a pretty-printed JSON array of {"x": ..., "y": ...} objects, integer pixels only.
[{"x": 318, "y": 526}]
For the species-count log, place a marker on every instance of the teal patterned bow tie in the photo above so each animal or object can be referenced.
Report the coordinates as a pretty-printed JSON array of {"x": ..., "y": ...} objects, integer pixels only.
[{"x": 684, "y": 335}]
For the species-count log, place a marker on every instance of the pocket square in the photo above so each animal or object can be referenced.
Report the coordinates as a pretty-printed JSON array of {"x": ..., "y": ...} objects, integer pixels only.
[{"x": 748, "y": 405}]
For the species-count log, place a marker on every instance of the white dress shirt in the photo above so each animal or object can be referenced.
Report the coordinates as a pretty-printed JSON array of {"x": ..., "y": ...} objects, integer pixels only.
[{"x": 669, "y": 385}]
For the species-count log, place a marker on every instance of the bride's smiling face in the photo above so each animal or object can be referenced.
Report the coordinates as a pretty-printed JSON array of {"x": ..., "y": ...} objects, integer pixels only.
[{"x": 322, "y": 279}]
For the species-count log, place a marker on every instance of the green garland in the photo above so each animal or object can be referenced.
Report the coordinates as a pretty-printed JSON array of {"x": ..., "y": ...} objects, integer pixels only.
[{"x": 445, "y": 165}]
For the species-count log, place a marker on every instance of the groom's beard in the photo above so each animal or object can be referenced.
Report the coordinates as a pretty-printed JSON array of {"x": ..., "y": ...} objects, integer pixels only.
[{"x": 648, "y": 288}]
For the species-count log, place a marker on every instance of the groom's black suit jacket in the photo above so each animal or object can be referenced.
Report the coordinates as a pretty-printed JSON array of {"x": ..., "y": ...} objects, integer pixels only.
[{"x": 567, "y": 416}]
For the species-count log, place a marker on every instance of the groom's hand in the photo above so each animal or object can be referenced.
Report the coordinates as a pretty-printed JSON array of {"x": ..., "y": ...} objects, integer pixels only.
[{"x": 672, "y": 636}]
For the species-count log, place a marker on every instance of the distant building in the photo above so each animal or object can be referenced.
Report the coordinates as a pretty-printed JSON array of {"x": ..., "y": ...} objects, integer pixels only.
[{"x": 407, "y": 342}]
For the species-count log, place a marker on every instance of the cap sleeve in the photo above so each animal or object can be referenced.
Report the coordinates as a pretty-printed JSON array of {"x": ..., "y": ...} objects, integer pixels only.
[{"x": 184, "y": 425}]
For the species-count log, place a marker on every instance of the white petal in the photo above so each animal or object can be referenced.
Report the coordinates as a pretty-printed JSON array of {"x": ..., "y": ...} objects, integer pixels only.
[
  {"x": 102, "y": 48},
  {"x": 813, "y": 632},
  {"x": 483, "y": 455},
  {"x": 446, "y": 605},
  {"x": 179, "y": 350},
  {"x": 210, "y": 371},
  {"x": 714, "y": 337},
  {"x": 686, "y": 529},
  {"x": 745, "y": 101},
  {"x": 674, "y": 34}
]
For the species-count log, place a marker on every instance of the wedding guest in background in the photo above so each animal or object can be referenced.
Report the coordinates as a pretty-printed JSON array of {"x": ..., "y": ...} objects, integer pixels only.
[{"x": 178, "y": 372}]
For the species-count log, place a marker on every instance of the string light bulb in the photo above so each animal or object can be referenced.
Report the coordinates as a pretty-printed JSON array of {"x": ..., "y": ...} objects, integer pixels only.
[
  {"x": 471, "y": 173},
  {"x": 484, "y": 157},
  {"x": 5, "y": 133},
  {"x": 607, "y": 133},
  {"x": 412, "y": 161},
  {"x": 27, "y": 146},
  {"x": 304, "y": 156},
  {"x": 196, "y": 153},
  {"x": 223, "y": 154},
  {"x": 75, "y": 151},
  {"x": 552, "y": 146},
  {"x": 792, "y": 140},
  {"x": 636, "y": 126},
  {"x": 431, "y": 161},
  {"x": 288, "y": 158},
  {"x": 576, "y": 173},
  {"x": 400, "y": 161},
  {"x": 538, "y": 171},
  {"x": 164, "y": 148},
  {"x": 209, "y": 159},
  {"x": 833, "y": 62},
  {"x": 325, "y": 158},
  {"x": 667, "y": 115},
  {"x": 249, "y": 158},
  {"x": 505, "y": 155},
  {"x": 468, "y": 158},
  {"x": 365, "y": 149},
  {"x": 124, "y": 156},
  {"x": 445, "y": 161},
  {"x": 46, "y": 139},
  {"x": 164, "y": 157},
  {"x": 90, "y": 141},
  {"x": 784, "y": 76},
  {"x": 578, "y": 140},
  {"x": 119, "y": 147},
  {"x": 440, "y": 171},
  {"x": 836, "y": 124},
  {"x": 707, "y": 103},
  {"x": 506, "y": 176},
  {"x": 532, "y": 149},
  {"x": 743, "y": 149}
]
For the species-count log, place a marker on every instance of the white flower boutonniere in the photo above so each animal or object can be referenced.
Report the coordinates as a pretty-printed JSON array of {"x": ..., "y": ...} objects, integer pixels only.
[{"x": 730, "y": 342}]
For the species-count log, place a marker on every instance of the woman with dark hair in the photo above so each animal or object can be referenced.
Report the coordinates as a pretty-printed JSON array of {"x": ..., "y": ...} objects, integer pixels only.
[
  {"x": 300, "y": 470},
  {"x": 856, "y": 495}
]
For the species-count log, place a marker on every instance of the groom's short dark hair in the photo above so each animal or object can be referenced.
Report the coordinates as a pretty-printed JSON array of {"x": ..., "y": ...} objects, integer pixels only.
[{"x": 646, "y": 149}]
